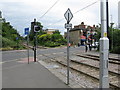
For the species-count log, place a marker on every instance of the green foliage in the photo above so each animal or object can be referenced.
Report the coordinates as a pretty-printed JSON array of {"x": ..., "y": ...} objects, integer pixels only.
[
  {"x": 56, "y": 32},
  {"x": 7, "y": 42},
  {"x": 114, "y": 37},
  {"x": 43, "y": 38},
  {"x": 53, "y": 40},
  {"x": 9, "y": 35},
  {"x": 8, "y": 30},
  {"x": 51, "y": 44},
  {"x": 56, "y": 37},
  {"x": 116, "y": 50}
]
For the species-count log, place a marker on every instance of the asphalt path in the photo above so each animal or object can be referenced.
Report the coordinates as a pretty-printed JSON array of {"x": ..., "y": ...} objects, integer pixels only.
[
  {"x": 17, "y": 54},
  {"x": 12, "y": 59},
  {"x": 17, "y": 73},
  {"x": 15, "y": 57}
]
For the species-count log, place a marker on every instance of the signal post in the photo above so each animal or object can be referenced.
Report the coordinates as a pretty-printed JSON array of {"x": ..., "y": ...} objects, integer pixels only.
[{"x": 36, "y": 29}]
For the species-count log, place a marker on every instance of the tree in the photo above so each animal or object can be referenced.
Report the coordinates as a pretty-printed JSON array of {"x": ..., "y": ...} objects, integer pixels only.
[
  {"x": 114, "y": 38},
  {"x": 9, "y": 35},
  {"x": 51, "y": 40},
  {"x": 56, "y": 32}
]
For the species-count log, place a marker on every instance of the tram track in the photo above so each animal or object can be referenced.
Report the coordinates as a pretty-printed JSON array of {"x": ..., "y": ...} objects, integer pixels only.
[
  {"x": 95, "y": 57},
  {"x": 89, "y": 70}
]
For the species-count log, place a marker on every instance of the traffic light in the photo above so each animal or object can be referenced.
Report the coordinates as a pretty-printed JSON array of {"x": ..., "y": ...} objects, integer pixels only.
[{"x": 36, "y": 28}]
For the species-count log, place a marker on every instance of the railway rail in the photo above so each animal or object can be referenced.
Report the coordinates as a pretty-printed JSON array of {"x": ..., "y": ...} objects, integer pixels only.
[
  {"x": 92, "y": 70},
  {"x": 95, "y": 57}
]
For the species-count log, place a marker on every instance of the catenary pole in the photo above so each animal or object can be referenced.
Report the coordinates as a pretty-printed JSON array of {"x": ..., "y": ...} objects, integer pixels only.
[{"x": 104, "y": 47}]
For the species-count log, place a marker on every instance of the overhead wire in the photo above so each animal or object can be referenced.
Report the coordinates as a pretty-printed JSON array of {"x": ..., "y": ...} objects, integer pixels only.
[
  {"x": 86, "y": 6},
  {"x": 75, "y": 12},
  {"x": 63, "y": 18},
  {"x": 49, "y": 9}
]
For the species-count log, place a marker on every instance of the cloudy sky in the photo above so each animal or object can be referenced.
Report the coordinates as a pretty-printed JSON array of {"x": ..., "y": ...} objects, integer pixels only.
[{"x": 21, "y": 12}]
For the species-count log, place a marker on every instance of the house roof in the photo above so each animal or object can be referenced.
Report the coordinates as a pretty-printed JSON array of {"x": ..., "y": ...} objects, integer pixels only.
[{"x": 77, "y": 29}]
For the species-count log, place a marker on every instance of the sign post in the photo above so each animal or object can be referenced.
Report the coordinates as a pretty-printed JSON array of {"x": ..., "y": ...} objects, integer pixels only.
[
  {"x": 27, "y": 33},
  {"x": 68, "y": 16},
  {"x": 104, "y": 47}
]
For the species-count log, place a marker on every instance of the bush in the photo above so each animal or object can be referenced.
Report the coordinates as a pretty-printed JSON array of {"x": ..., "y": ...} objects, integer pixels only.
[
  {"x": 53, "y": 40},
  {"x": 7, "y": 48},
  {"x": 51, "y": 44},
  {"x": 116, "y": 50},
  {"x": 6, "y": 42}
]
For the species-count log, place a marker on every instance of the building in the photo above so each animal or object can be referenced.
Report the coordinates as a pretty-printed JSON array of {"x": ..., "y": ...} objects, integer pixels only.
[
  {"x": 119, "y": 14},
  {"x": 50, "y": 31},
  {"x": 81, "y": 33}
]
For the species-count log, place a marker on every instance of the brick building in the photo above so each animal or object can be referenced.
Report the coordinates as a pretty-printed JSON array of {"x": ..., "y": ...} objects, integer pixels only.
[
  {"x": 81, "y": 33},
  {"x": 50, "y": 31}
]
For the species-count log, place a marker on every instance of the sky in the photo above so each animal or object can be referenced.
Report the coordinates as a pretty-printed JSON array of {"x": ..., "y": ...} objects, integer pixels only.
[{"x": 20, "y": 13}]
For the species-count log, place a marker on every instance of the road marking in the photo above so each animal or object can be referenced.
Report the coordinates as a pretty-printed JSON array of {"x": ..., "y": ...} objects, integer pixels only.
[
  {"x": 51, "y": 53},
  {"x": 15, "y": 51},
  {"x": 40, "y": 55},
  {"x": 61, "y": 52},
  {"x": 13, "y": 60},
  {"x": 54, "y": 53},
  {"x": 10, "y": 61},
  {"x": 25, "y": 60},
  {"x": 46, "y": 54}
]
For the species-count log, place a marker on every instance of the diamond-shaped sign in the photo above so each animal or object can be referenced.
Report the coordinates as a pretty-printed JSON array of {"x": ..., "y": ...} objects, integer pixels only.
[{"x": 68, "y": 15}]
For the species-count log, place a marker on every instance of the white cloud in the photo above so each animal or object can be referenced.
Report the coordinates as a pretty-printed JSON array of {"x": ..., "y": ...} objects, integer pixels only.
[{"x": 21, "y": 12}]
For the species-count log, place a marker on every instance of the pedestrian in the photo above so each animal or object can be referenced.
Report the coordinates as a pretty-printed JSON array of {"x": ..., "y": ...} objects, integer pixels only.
[
  {"x": 86, "y": 48},
  {"x": 78, "y": 44},
  {"x": 69, "y": 44}
]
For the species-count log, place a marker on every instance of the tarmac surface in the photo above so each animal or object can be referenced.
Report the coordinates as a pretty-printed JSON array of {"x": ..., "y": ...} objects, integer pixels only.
[
  {"x": 32, "y": 75},
  {"x": 17, "y": 73}
]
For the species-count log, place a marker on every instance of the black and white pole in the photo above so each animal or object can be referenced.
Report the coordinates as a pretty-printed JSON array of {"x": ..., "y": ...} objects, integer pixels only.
[
  {"x": 68, "y": 16},
  {"x": 34, "y": 40},
  {"x": 34, "y": 46},
  {"x": 36, "y": 30},
  {"x": 68, "y": 60},
  {"x": 104, "y": 47}
]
